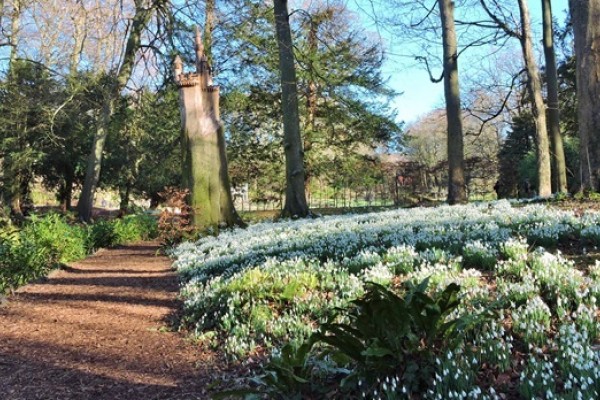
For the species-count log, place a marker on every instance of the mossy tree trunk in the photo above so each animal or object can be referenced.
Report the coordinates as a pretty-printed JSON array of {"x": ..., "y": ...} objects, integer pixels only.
[{"x": 205, "y": 171}]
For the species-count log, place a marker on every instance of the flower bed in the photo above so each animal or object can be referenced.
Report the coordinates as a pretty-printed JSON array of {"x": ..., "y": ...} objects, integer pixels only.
[{"x": 255, "y": 290}]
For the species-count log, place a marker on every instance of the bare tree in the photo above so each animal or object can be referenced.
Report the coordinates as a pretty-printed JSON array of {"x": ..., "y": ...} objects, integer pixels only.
[
  {"x": 538, "y": 108},
  {"x": 585, "y": 17},
  {"x": 523, "y": 34},
  {"x": 295, "y": 195},
  {"x": 117, "y": 82}
]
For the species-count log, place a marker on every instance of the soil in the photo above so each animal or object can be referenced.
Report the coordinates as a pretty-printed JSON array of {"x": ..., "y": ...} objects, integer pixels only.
[{"x": 103, "y": 329}]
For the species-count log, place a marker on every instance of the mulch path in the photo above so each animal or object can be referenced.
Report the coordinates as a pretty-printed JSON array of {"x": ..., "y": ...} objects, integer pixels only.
[{"x": 101, "y": 329}]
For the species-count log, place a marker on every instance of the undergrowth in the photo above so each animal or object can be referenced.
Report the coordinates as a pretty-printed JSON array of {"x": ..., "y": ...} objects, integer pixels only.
[{"x": 44, "y": 243}]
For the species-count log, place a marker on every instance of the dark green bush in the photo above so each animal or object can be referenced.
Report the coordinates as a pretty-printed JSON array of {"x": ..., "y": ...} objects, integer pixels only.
[
  {"x": 389, "y": 334},
  {"x": 381, "y": 334},
  {"x": 102, "y": 235},
  {"x": 136, "y": 227},
  {"x": 65, "y": 242},
  {"x": 42, "y": 244},
  {"x": 105, "y": 233},
  {"x": 46, "y": 242}
]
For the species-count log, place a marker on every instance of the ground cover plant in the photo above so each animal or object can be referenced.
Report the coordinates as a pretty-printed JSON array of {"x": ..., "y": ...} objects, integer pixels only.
[
  {"x": 46, "y": 242},
  {"x": 272, "y": 293}
]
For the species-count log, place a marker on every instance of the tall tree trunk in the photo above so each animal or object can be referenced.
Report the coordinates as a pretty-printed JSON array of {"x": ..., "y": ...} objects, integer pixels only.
[
  {"x": 456, "y": 165},
  {"x": 228, "y": 214},
  {"x": 13, "y": 174},
  {"x": 13, "y": 187},
  {"x": 585, "y": 16},
  {"x": 139, "y": 22},
  {"x": 312, "y": 95},
  {"x": 558, "y": 154},
  {"x": 124, "y": 194},
  {"x": 539, "y": 113},
  {"x": 205, "y": 156},
  {"x": 295, "y": 195},
  {"x": 66, "y": 192},
  {"x": 94, "y": 163},
  {"x": 311, "y": 99}
]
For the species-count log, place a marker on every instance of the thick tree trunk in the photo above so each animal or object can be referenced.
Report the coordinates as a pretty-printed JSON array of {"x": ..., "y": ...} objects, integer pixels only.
[
  {"x": 205, "y": 157},
  {"x": 139, "y": 22},
  {"x": 558, "y": 152},
  {"x": 456, "y": 165},
  {"x": 585, "y": 16},
  {"x": 94, "y": 164},
  {"x": 13, "y": 189},
  {"x": 124, "y": 194},
  {"x": 66, "y": 193},
  {"x": 295, "y": 196},
  {"x": 538, "y": 109},
  {"x": 229, "y": 215}
]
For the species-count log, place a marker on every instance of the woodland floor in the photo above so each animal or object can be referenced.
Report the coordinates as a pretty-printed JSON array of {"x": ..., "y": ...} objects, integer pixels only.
[{"x": 101, "y": 329}]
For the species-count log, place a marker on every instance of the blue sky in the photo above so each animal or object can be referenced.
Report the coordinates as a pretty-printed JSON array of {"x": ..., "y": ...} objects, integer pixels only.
[{"x": 419, "y": 94}]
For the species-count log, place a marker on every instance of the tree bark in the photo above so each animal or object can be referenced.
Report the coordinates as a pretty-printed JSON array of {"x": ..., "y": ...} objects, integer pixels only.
[
  {"x": 538, "y": 110},
  {"x": 229, "y": 215},
  {"x": 79, "y": 35},
  {"x": 209, "y": 26},
  {"x": 456, "y": 165},
  {"x": 295, "y": 195},
  {"x": 558, "y": 152},
  {"x": 13, "y": 175},
  {"x": 138, "y": 24},
  {"x": 205, "y": 157},
  {"x": 66, "y": 191},
  {"x": 585, "y": 16},
  {"x": 124, "y": 194},
  {"x": 312, "y": 95},
  {"x": 94, "y": 163},
  {"x": 15, "y": 27}
]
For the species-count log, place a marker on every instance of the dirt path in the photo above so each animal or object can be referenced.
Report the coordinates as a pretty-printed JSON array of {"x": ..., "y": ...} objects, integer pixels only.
[{"x": 96, "y": 330}]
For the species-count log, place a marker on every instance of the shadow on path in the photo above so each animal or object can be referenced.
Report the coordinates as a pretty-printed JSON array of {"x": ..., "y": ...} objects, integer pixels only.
[{"x": 98, "y": 329}]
